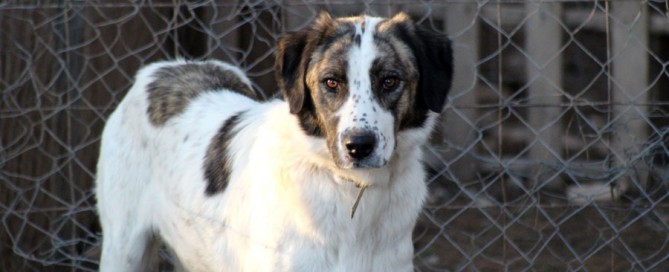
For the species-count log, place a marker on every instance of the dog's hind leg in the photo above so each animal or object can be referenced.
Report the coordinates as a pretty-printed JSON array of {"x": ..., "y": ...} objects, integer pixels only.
[
  {"x": 129, "y": 241},
  {"x": 178, "y": 265},
  {"x": 129, "y": 251}
]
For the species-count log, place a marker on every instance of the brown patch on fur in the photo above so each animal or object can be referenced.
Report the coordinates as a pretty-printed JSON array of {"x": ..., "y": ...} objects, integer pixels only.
[
  {"x": 173, "y": 87},
  {"x": 294, "y": 54},
  {"x": 217, "y": 162}
]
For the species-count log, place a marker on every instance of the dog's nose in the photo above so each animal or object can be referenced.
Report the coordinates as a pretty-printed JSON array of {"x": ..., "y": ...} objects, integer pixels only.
[{"x": 360, "y": 146}]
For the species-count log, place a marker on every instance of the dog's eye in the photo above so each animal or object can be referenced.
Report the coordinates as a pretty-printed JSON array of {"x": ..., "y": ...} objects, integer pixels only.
[
  {"x": 331, "y": 84},
  {"x": 390, "y": 83}
]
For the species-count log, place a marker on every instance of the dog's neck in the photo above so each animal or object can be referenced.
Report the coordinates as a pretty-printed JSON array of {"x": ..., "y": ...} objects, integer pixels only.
[{"x": 302, "y": 150}]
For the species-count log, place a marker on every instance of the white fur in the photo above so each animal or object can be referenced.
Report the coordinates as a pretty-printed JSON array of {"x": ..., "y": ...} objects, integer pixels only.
[{"x": 286, "y": 207}]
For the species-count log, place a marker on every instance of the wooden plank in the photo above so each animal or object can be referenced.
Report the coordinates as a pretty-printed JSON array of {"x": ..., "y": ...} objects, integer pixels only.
[
  {"x": 629, "y": 26},
  {"x": 544, "y": 76},
  {"x": 457, "y": 123}
]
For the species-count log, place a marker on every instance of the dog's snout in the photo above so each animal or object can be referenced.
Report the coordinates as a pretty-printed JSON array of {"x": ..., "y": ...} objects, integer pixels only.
[{"x": 359, "y": 146}]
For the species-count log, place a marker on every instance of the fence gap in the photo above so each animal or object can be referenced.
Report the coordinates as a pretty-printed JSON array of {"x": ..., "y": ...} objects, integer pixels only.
[
  {"x": 629, "y": 38},
  {"x": 463, "y": 27},
  {"x": 544, "y": 76},
  {"x": 224, "y": 43}
]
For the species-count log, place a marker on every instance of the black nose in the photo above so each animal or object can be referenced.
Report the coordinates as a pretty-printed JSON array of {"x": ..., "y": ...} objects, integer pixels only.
[{"x": 360, "y": 146}]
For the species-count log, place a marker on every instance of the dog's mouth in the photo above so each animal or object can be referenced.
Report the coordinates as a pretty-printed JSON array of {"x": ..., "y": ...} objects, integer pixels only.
[
  {"x": 359, "y": 164},
  {"x": 344, "y": 161}
]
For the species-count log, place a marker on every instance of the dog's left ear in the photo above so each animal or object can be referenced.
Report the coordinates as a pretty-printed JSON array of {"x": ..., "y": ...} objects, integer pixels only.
[{"x": 434, "y": 58}]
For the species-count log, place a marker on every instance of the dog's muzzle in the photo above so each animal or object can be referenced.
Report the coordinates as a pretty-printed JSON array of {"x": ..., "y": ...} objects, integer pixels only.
[{"x": 359, "y": 146}]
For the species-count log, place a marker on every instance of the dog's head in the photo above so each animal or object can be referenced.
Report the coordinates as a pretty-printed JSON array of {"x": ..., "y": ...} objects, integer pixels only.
[{"x": 358, "y": 81}]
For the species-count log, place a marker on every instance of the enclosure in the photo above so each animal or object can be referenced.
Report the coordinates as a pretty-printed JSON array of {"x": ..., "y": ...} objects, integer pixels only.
[{"x": 551, "y": 154}]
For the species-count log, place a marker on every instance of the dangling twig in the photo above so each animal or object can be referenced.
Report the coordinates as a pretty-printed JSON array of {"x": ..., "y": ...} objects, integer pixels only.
[{"x": 357, "y": 200}]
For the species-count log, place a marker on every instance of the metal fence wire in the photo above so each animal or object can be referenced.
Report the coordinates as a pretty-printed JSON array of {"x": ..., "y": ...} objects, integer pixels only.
[{"x": 552, "y": 155}]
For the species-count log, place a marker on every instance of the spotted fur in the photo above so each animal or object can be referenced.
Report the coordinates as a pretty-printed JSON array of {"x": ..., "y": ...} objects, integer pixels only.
[{"x": 228, "y": 182}]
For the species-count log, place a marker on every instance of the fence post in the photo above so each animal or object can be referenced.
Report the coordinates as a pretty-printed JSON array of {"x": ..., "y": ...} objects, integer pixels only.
[
  {"x": 463, "y": 29},
  {"x": 629, "y": 57},
  {"x": 543, "y": 42}
]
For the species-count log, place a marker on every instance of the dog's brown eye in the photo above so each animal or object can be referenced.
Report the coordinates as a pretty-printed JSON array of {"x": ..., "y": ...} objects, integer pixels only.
[
  {"x": 390, "y": 83},
  {"x": 332, "y": 84}
]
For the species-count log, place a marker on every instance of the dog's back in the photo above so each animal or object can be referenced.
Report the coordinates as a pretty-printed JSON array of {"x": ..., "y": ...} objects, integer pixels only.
[{"x": 149, "y": 141}]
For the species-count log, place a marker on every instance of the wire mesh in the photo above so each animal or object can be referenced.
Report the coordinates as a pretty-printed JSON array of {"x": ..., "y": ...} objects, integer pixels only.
[{"x": 552, "y": 153}]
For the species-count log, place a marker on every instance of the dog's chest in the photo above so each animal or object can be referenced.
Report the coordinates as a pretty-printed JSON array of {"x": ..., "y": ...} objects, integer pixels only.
[{"x": 300, "y": 221}]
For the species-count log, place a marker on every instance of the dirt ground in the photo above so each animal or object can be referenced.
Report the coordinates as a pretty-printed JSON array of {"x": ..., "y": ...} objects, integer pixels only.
[{"x": 596, "y": 237}]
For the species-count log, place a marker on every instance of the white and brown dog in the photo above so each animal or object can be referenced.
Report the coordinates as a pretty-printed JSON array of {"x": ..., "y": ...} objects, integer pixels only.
[{"x": 192, "y": 158}]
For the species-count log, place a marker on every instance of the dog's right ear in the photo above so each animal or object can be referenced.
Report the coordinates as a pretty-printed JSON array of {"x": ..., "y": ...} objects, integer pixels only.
[
  {"x": 292, "y": 60},
  {"x": 290, "y": 70}
]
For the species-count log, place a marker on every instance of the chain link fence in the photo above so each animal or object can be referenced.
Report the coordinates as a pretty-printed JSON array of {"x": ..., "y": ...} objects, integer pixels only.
[{"x": 552, "y": 154}]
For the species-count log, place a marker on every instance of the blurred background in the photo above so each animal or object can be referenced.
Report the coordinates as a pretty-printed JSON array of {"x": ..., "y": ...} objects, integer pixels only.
[{"x": 551, "y": 155}]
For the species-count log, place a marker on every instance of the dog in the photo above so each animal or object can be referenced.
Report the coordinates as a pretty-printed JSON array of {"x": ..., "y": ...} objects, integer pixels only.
[{"x": 195, "y": 159}]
